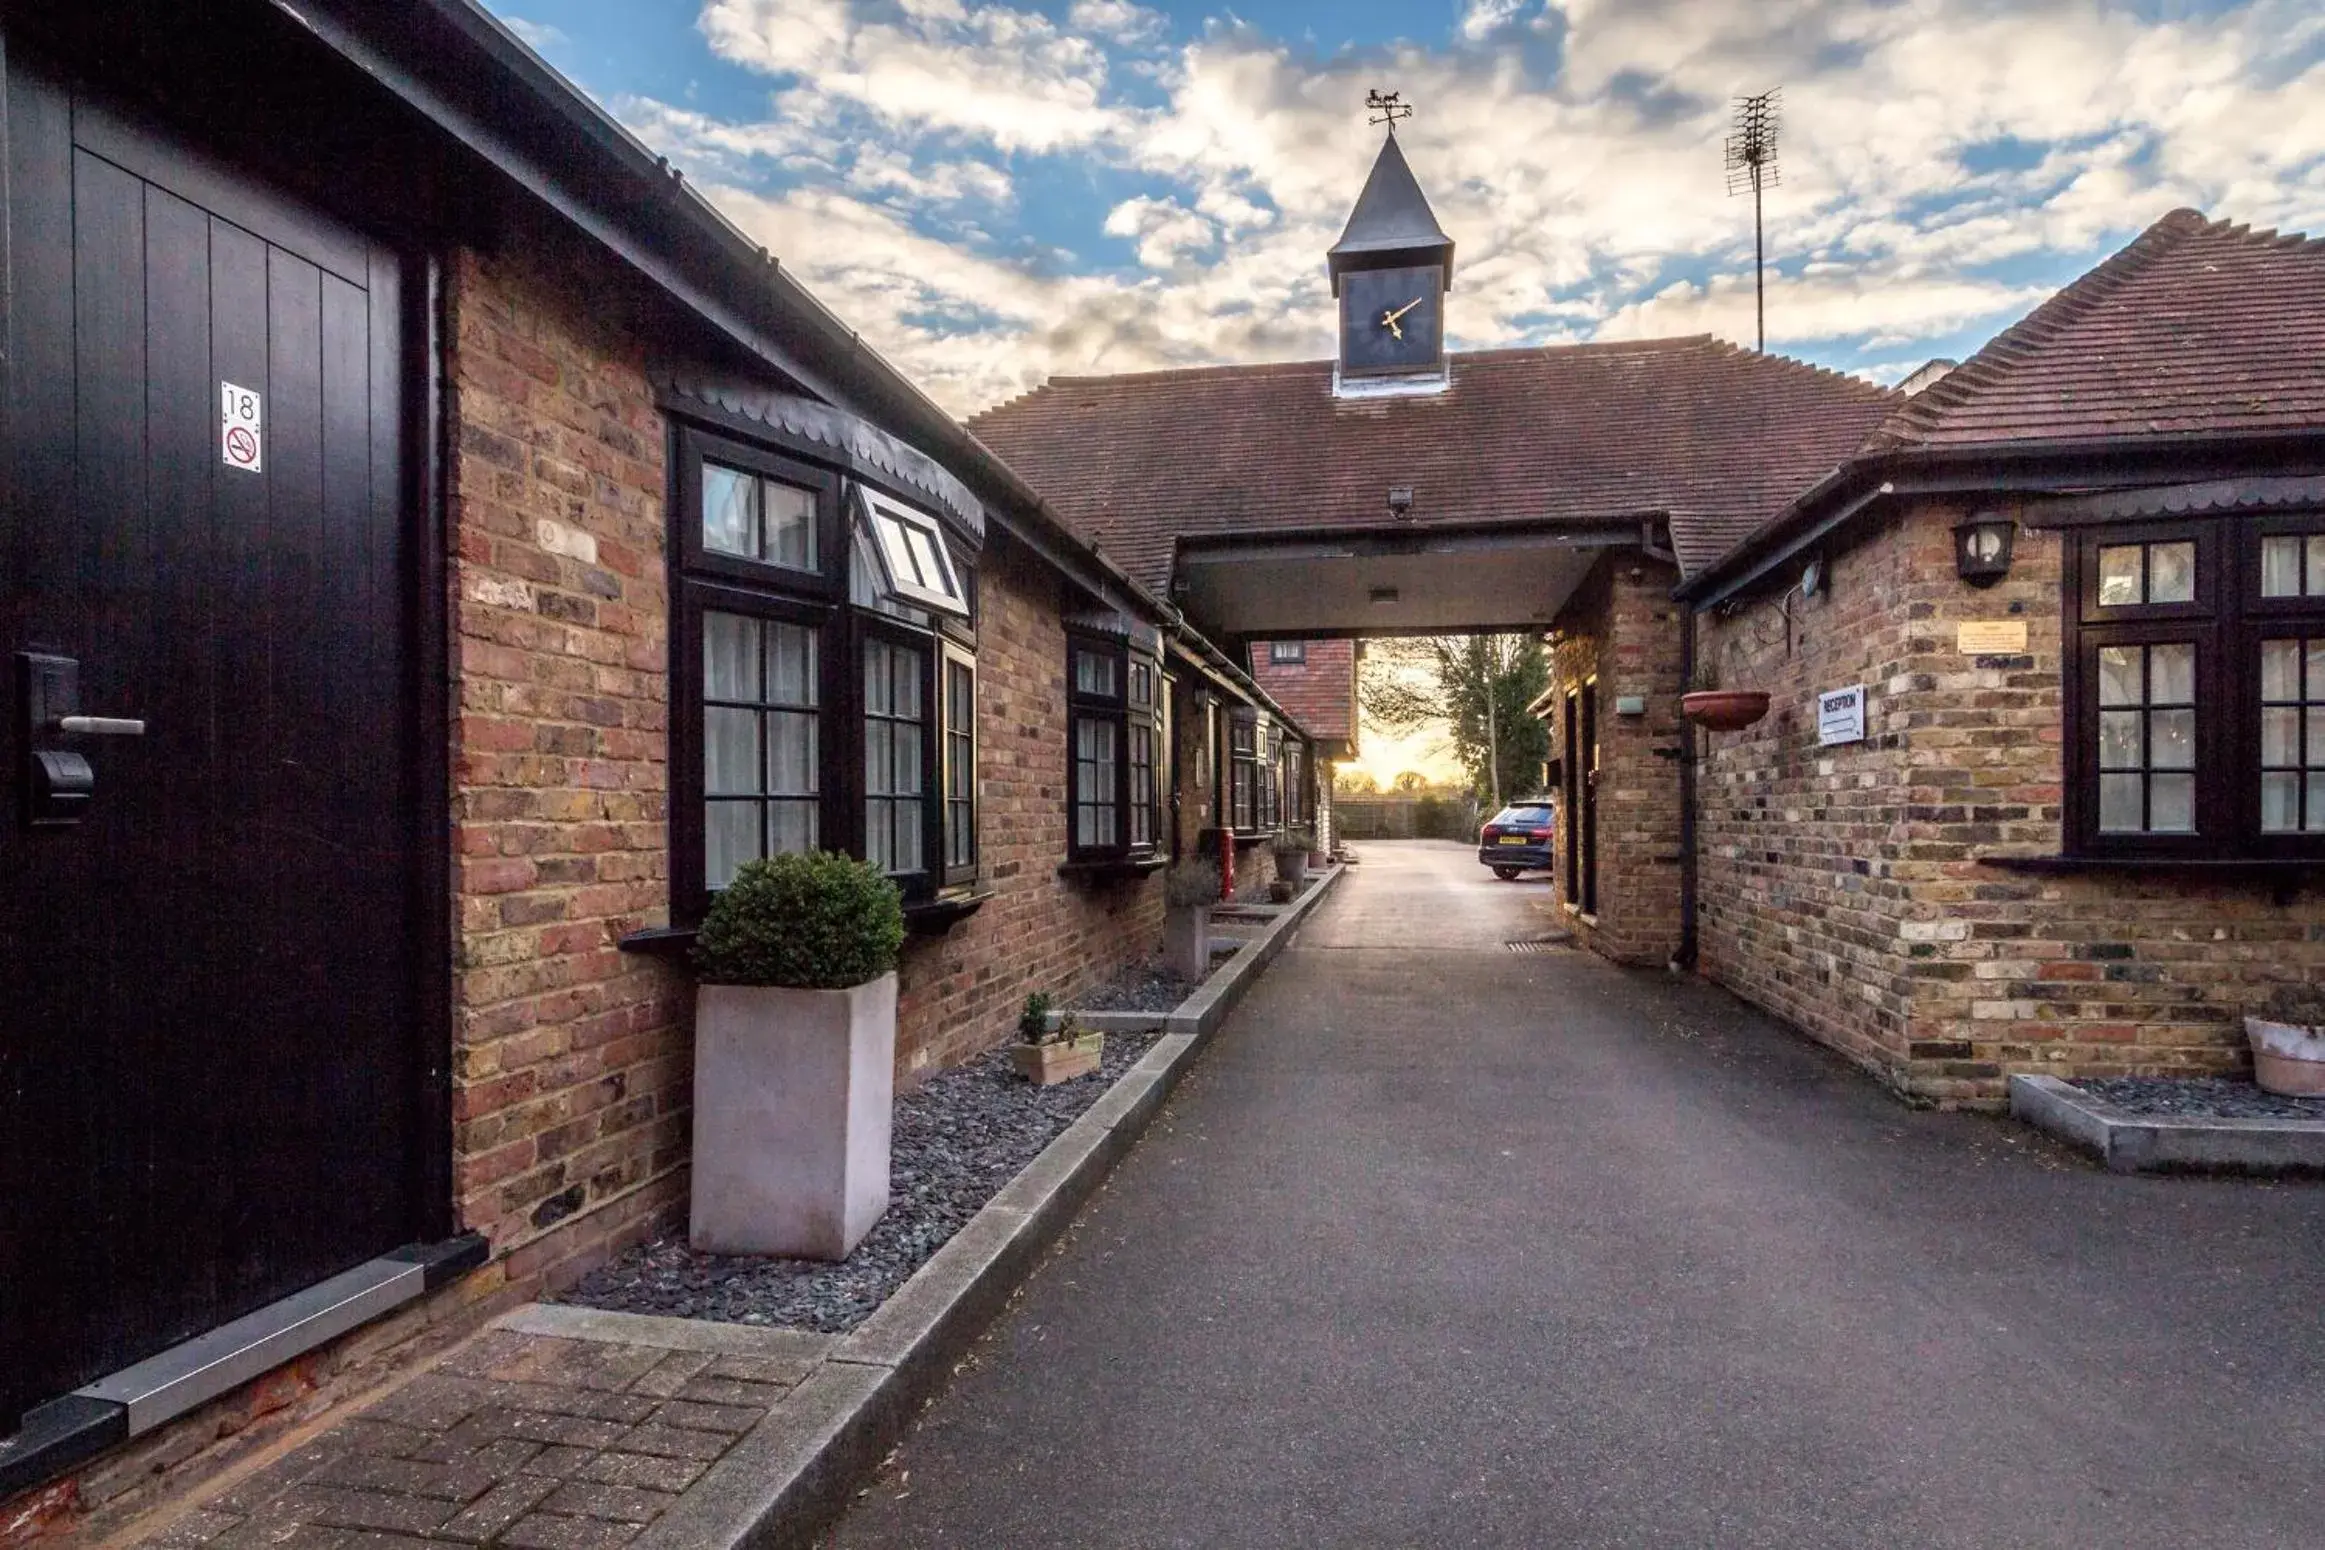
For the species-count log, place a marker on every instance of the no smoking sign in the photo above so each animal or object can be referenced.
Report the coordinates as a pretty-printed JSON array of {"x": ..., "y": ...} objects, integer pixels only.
[{"x": 241, "y": 440}]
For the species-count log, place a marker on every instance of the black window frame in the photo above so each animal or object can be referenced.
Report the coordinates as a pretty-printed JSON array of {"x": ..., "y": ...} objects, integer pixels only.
[
  {"x": 2227, "y": 622},
  {"x": 707, "y": 580},
  {"x": 1240, "y": 793},
  {"x": 1115, "y": 707}
]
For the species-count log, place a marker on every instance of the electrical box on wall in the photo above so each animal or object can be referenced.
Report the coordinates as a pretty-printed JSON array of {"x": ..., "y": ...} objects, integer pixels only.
[{"x": 1630, "y": 705}]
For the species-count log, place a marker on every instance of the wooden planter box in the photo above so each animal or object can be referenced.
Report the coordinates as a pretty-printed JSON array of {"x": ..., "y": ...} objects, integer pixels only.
[{"x": 1046, "y": 1065}]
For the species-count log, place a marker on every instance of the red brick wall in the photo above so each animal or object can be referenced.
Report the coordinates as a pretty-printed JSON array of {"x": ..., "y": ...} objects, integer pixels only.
[
  {"x": 961, "y": 993},
  {"x": 1841, "y": 888},
  {"x": 570, "y": 1057},
  {"x": 1622, "y": 626}
]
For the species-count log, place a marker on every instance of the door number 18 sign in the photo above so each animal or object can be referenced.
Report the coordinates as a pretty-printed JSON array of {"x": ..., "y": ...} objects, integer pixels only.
[{"x": 240, "y": 437}]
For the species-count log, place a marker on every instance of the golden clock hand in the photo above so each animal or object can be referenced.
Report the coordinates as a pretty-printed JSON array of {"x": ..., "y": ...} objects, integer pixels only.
[{"x": 1391, "y": 319}]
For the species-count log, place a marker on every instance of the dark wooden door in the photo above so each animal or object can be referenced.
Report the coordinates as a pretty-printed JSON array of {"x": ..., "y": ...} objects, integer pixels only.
[
  {"x": 1588, "y": 828},
  {"x": 211, "y": 1075}
]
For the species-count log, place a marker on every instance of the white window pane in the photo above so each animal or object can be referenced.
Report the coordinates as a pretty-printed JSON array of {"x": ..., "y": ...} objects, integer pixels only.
[
  {"x": 2280, "y": 802},
  {"x": 908, "y": 834},
  {"x": 2171, "y": 740},
  {"x": 2171, "y": 674},
  {"x": 791, "y": 743},
  {"x": 730, "y": 657},
  {"x": 2119, "y": 575},
  {"x": 2317, "y": 565},
  {"x": 2119, "y": 675},
  {"x": 877, "y": 679},
  {"x": 2119, "y": 740},
  {"x": 2316, "y": 736},
  {"x": 879, "y": 745},
  {"x": 926, "y": 559},
  {"x": 906, "y": 695},
  {"x": 730, "y": 752},
  {"x": 2280, "y": 736},
  {"x": 730, "y": 511},
  {"x": 2280, "y": 567},
  {"x": 2280, "y": 669},
  {"x": 2171, "y": 573},
  {"x": 2316, "y": 822},
  {"x": 791, "y": 675},
  {"x": 879, "y": 834},
  {"x": 2171, "y": 804},
  {"x": 790, "y": 523},
  {"x": 730, "y": 838},
  {"x": 790, "y": 828},
  {"x": 1094, "y": 673},
  {"x": 907, "y": 772},
  {"x": 2317, "y": 670},
  {"x": 2120, "y": 804}
]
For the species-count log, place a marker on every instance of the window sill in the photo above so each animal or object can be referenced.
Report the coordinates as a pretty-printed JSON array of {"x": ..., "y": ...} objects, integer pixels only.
[
  {"x": 661, "y": 942},
  {"x": 934, "y": 917},
  {"x": 2284, "y": 876},
  {"x": 1114, "y": 866}
]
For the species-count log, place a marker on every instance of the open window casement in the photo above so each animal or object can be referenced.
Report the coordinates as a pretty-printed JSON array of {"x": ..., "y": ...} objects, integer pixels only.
[{"x": 908, "y": 549}]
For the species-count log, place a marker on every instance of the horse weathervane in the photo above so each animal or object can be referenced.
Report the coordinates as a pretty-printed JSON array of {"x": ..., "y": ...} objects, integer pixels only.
[{"x": 1385, "y": 108}]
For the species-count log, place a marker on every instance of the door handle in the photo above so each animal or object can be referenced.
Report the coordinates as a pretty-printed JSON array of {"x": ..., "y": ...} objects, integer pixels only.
[{"x": 101, "y": 726}]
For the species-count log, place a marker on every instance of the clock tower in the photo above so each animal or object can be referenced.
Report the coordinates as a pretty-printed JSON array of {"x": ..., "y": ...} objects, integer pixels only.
[{"x": 1390, "y": 271}]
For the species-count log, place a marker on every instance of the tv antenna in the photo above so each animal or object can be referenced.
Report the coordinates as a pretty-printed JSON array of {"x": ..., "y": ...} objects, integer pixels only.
[
  {"x": 1384, "y": 108},
  {"x": 1752, "y": 165}
]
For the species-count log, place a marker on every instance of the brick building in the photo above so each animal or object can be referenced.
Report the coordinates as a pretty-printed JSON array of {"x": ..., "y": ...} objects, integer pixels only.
[
  {"x": 495, "y": 548},
  {"x": 2078, "y": 589}
]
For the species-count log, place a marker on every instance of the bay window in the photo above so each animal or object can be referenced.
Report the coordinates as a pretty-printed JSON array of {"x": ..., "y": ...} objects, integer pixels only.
[
  {"x": 824, "y": 655},
  {"x": 1114, "y": 700},
  {"x": 2196, "y": 688}
]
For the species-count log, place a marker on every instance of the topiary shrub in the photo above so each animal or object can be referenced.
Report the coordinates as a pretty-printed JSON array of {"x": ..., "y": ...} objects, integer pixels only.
[
  {"x": 1191, "y": 885},
  {"x": 821, "y": 921},
  {"x": 2299, "y": 1006}
]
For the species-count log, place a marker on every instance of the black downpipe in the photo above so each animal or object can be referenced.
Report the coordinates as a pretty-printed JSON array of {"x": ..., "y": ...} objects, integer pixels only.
[{"x": 1685, "y": 957}]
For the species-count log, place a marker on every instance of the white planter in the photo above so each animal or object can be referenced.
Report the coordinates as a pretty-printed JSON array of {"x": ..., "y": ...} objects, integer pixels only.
[
  {"x": 1292, "y": 866},
  {"x": 2287, "y": 1058},
  {"x": 1187, "y": 942},
  {"x": 793, "y": 1097}
]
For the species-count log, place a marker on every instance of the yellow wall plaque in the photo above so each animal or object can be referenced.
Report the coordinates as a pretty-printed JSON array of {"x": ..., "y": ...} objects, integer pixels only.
[{"x": 1990, "y": 637}]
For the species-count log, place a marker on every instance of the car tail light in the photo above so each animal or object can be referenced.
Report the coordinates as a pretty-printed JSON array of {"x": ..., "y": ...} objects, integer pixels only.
[
  {"x": 1539, "y": 834},
  {"x": 1492, "y": 832}
]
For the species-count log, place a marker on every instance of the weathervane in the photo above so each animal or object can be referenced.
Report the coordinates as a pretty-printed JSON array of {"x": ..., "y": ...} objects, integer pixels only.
[
  {"x": 1384, "y": 108},
  {"x": 1752, "y": 165}
]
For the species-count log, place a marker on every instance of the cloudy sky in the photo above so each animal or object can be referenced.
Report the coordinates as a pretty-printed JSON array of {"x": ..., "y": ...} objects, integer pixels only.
[{"x": 997, "y": 192}]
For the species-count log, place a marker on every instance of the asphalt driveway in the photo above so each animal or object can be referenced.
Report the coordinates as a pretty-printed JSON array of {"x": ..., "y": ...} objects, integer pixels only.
[{"x": 1441, "y": 1245}]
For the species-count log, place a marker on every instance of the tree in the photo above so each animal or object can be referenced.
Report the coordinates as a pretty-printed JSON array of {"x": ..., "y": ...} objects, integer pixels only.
[
  {"x": 1354, "y": 781},
  {"x": 1478, "y": 688},
  {"x": 1410, "y": 781}
]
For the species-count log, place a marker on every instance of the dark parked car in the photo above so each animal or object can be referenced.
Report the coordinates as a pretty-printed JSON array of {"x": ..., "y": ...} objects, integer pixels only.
[{"x": 1518, "y": 839}]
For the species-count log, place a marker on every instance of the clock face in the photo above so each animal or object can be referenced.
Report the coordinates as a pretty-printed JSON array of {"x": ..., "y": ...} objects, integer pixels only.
[{"x": 1392, "y": 320}]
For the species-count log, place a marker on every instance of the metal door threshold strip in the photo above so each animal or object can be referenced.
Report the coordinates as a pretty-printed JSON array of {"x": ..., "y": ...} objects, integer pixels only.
[{"x": 65, "y": 1431}]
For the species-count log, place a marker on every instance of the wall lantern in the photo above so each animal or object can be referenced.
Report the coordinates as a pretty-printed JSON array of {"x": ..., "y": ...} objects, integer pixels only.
[
  {"x": 1401, "y": 501},
  {"x": 1982, "y": 548}
]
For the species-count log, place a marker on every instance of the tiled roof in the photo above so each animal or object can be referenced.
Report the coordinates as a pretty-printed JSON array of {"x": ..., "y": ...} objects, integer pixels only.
[
  {"x": 1319, "y": 692},
  {"x": 1719, "y": 437},
  {"x": 2197, "y": 326}
]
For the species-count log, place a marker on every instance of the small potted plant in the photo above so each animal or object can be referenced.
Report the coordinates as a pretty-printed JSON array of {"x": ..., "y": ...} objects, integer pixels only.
[
  {"x": 1050, "y": 1048},
  {"x": 1280, "y": 891},
  {"x": 1189, "y": 890},
  {"x": 2288, "y": 1041},
  {"x": 1292, "y": 848},
  {"x": 1720, "y": 710},
  {"x": 794, "y": 1057}
]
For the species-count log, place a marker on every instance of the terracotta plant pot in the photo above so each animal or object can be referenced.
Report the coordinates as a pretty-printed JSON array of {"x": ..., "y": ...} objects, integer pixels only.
[
  {"x": 1724, "y": 710},
  {"x": 1060, "y": 1060},
  {"x": 2287, "y": 1058}
]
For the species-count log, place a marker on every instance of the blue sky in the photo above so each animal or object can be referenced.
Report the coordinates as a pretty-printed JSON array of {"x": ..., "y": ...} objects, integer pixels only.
[{"x": 994, "y": 193}]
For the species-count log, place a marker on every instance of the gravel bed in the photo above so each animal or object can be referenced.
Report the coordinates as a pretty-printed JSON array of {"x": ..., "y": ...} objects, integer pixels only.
[
  {"x": 2198, "y": 1098},
  {"x": 1143, "y": 987},
  {"x": 958, "y": 1139}
]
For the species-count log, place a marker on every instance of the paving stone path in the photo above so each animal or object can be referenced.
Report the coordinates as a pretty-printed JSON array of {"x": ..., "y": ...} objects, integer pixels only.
[{"x": 521, "y": 1438}]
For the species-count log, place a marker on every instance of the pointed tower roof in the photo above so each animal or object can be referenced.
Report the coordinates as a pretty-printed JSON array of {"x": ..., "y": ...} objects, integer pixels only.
[{"x": 1391, "y": 224}]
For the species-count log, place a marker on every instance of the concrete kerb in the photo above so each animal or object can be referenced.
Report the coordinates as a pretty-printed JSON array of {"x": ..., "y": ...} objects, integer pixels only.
[
  {"x": 794, "y": 1473},
  {"x": 2147, "y": 1143},
  {"x": 1200, "y": 1015}
]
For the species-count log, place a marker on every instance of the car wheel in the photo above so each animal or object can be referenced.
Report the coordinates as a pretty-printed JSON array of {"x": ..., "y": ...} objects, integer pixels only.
[{"x": 1508, "y": 874}]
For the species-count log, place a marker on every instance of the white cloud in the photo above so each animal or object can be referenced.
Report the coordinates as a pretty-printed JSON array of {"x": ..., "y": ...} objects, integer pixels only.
[
  {"x": 1945, "y": 164},
  {"x": 540, "y": 37}
]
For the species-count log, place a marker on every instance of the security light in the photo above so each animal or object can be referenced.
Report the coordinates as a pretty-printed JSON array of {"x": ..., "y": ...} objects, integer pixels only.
[
  {"x": 1401, "y": 500},
  {"x": 1982, "y": 548}
]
